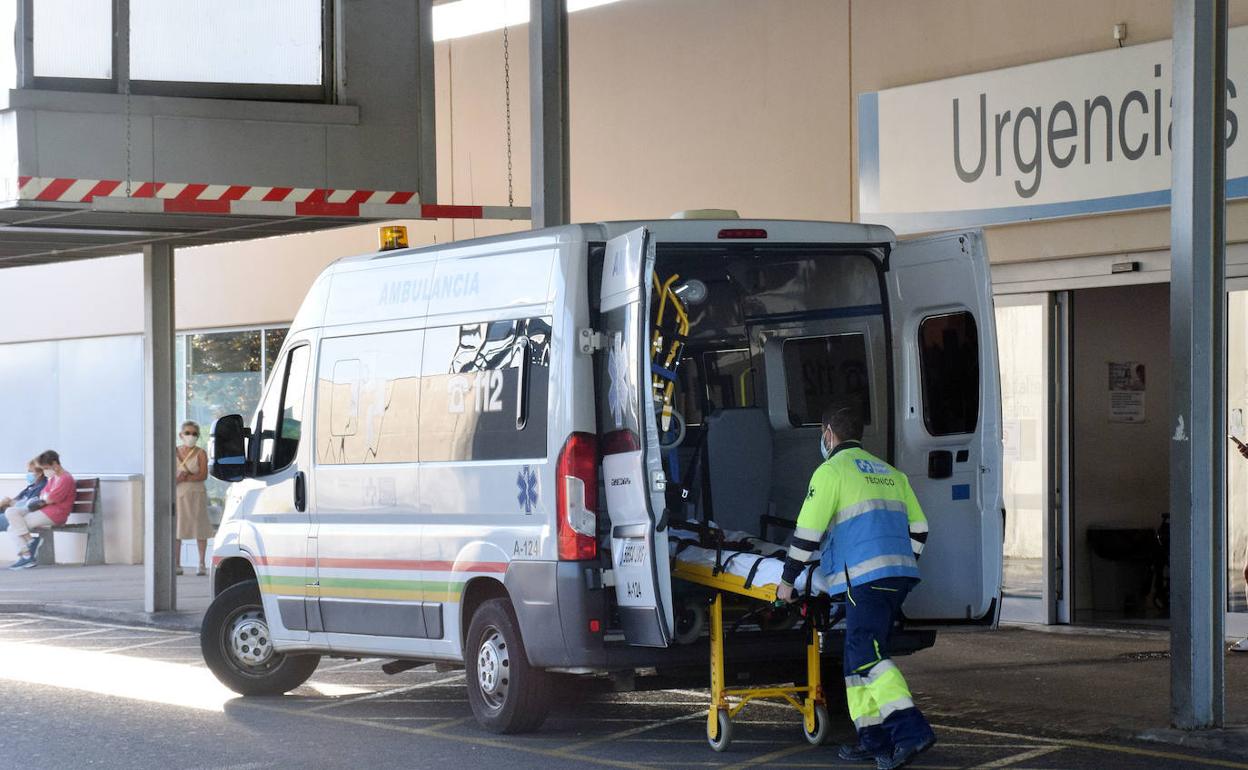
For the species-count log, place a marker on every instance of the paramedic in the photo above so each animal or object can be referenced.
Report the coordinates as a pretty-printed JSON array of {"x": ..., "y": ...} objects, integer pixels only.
[{"x": 875, "y": 532}]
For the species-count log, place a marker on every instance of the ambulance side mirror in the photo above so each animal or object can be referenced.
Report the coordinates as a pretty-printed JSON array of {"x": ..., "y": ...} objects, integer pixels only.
[{"x": 229, "y": 448}]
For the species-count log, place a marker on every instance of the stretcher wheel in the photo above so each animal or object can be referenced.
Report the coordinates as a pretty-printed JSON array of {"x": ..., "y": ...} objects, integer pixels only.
[
  {"x": 720, "y": 741},
  {"x": 821, "y": 726}
]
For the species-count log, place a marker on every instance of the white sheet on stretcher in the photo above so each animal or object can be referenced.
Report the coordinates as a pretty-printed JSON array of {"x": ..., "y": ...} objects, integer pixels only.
[{"x": 770, "y": 571}]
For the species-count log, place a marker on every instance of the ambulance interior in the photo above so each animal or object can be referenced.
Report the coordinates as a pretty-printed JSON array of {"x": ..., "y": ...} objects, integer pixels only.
[{"x": 750, "y": 343}]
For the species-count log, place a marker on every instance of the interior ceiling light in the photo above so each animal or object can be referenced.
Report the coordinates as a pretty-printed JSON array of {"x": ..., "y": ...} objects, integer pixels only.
[{"x": 473, "y": 17}]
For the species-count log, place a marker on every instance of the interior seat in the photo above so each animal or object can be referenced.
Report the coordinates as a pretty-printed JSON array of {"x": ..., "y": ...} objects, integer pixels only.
[{"x": 739, "y": 466}]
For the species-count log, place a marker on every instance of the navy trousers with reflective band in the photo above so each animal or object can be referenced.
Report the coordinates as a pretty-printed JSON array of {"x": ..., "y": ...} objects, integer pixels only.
[{"x": 879, "y": 698}]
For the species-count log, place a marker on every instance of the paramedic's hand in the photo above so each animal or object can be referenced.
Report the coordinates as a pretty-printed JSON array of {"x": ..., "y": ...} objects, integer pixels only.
[{"x": 784, "y": 593}]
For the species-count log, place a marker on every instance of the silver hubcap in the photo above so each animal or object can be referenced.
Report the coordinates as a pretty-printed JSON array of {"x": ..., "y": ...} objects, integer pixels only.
[
  {"x": 248, "y": 639},
  {"x": 493, "y": 669}
]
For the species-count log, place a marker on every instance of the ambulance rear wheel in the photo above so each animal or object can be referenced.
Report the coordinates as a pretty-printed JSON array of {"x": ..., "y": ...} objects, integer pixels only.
[
  {"x": 723, "y": 732},
  {"x": 235, "y": 640},
  {"x": 507, "y": 695},
  {"x": 822, "y": 721}
]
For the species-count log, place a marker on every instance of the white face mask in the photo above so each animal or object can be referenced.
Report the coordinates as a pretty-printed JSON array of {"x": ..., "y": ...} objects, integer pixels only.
[
  {"x": 190, "y": 440},
  {"x": 48, "y": 473},
  {"x": 823, "y": 446}
]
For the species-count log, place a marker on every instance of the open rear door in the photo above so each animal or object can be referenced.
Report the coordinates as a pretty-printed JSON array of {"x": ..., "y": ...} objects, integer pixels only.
[
  {"x": 948, "y": 427},
  {"x": 631, "y": 464}
]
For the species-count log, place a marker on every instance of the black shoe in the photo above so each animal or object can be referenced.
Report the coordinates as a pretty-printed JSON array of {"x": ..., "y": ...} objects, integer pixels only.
[
  {"x": 904, "y": 755},
  {"x": 854, "y": 753}
]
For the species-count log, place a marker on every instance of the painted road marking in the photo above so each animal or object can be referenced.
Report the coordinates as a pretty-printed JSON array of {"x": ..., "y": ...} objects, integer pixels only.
[
  {"x": 1110, "y": 747},
  {"x": 768, "y": 758},
  {"x": 432, "y": 732},
  {"x": 388, "y": 693},
  {"x": 633, "y": 731},
  {"x": 1023, "y": 757}
]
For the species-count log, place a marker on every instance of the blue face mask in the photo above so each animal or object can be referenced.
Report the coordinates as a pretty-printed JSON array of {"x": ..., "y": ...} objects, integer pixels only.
[{"x": 30, "y": 477}]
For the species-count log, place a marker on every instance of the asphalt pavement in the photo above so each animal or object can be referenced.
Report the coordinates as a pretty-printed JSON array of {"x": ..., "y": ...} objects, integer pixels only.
[{"x": 80, "y": 693}]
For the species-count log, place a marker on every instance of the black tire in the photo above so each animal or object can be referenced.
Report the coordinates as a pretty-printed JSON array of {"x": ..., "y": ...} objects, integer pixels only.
[
  {"x": 236, "y": 616},
  {"x": 507, "y": 695}
]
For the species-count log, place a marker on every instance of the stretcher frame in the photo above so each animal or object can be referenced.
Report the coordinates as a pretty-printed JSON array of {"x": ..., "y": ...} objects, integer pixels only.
[{"x": 808, "y": 699}]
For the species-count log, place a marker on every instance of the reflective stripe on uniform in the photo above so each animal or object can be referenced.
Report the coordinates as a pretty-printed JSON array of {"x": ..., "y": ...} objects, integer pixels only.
[
  {"x": 806, "y": 533},
  {"x": 916, "y": 546},
  {"x": 837, "y": 582},
  {"x": 800, "y": 554},
  {"x": 868, "y": 506},
  {"x": 918, "y": 527},
  {"x": 873, "y": 697},
  {"x": 879, "y": 562}
]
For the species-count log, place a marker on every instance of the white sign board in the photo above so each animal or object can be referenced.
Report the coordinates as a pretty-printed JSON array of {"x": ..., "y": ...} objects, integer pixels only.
[{"x": 1080, "y": 135}]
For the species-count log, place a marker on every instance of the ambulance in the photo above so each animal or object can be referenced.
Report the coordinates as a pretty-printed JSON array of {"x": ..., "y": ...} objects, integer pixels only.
[{"x": 478, "y": 453}]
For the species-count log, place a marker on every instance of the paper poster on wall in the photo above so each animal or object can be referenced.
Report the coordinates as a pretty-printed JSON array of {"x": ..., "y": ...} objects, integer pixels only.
[{"x": 1127, "y": 383}]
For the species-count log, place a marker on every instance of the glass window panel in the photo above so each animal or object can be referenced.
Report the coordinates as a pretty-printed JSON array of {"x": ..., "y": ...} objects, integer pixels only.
[
  {"x": 1022, "y": 347},
  {"x": 73, "y": 38},
  {"x": 470, "y": 381},
  {"x": 1236, "y": 467},
  {"x": 368, "y": 399},
  {"x": 220, "y": 375},
  {"x": 821, "y": 369},
  {"x": 283, "y": 413},
  {"x": 226, "y": 41},
  {"x": 273, "y": 339},
  {"x": 949, "y": 358}
]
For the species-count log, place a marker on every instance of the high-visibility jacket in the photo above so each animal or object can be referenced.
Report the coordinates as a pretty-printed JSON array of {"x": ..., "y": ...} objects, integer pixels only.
[{"x": 862, "y": 518}]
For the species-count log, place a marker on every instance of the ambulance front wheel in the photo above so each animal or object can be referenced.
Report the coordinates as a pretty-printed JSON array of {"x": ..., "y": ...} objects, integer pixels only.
[
  {"x": 820, "y": 733},
  {"x": 723, "y": 732},
  {"x": 237, "y": 646},
  {"x": 507, "y": 695}
]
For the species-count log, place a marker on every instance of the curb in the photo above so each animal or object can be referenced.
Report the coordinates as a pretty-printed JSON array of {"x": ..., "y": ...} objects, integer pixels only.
[
  {"x": 1233, "y": 740},
  {"x": 169, "y": 621}
]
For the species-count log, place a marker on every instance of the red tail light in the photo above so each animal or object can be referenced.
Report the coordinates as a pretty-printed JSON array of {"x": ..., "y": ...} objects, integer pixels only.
[
  {"x": 576, "y": 495},
  {"x": 743, "y": 232}
]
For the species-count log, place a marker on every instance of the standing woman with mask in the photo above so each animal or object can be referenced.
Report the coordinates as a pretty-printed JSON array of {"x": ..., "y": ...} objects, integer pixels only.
[{"x": 192, "y": 497}]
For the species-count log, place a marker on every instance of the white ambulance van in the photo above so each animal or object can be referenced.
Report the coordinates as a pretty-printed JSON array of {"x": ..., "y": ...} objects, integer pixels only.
[{"x": 475, "y": 453}]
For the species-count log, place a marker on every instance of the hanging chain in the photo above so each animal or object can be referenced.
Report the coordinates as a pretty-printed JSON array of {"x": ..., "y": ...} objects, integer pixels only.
[{"x": 507, "y": 99}]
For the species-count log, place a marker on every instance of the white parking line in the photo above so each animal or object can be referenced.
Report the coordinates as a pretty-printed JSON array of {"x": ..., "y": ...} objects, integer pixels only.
[
  {"x": 58, "y": 637},
  {"x": 389, "y": 693},
  {"x": 151, "y": 643}
]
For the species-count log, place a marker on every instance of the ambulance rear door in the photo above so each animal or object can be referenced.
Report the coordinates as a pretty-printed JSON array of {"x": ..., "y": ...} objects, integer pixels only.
[
  {"x": 948, "y": 420},
  {"x": 631, "y": 464}
]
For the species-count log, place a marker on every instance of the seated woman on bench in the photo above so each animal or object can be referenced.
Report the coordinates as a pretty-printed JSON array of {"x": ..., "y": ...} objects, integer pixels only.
[
  {"x": 35, "y": 482},
  {"x": 51, "y": 508}
]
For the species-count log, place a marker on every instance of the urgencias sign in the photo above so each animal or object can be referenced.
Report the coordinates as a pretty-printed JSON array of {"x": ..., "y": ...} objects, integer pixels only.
[{"x": 1072, "y": 136}]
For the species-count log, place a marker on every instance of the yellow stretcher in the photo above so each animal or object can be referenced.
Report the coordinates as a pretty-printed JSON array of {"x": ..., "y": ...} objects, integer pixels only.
[{"x": 808, "y": 699}]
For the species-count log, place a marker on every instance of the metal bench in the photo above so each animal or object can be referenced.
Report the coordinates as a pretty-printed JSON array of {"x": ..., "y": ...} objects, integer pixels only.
[{"x": 86, "y": 518}]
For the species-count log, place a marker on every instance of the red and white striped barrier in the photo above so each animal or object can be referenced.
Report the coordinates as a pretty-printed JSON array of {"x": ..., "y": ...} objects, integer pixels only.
[{"x": 254, "y": 200}]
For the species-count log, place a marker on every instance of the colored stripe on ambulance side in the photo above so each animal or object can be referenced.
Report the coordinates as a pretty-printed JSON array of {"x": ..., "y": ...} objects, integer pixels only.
[{"x": 361, "y": 588}]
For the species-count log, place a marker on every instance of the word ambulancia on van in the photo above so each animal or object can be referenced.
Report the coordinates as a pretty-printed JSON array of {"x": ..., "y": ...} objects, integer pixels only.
[{"x": 492, "y": 452}]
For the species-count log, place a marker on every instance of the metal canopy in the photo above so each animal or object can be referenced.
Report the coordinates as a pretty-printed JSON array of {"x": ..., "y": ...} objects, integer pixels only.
[{"x": 33, "y": 235}]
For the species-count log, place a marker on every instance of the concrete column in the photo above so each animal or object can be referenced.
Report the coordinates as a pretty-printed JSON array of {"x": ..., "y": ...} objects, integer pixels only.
[
  {"x": 159, "y": 587},
  {"x": 426, "y": 84},
  {"x": 1198, "y": 366},
  {"x": 548, "y": 112}
]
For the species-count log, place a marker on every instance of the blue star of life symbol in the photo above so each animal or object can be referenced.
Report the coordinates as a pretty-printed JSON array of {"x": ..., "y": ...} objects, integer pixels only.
[
  {"x": 617, "y": 368},
  {"x": 526, "y": 482}
]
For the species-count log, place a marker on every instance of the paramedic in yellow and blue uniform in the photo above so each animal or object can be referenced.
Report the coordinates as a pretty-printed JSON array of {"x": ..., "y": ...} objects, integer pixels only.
[{"x": 875, "y": 532}]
